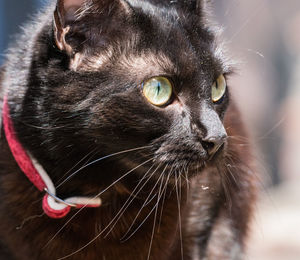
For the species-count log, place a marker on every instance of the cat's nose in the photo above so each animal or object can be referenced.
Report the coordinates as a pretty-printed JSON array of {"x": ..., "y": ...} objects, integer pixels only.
[
  {"x": 215, "y": 134},
  {"x": 213, "y": 144}
]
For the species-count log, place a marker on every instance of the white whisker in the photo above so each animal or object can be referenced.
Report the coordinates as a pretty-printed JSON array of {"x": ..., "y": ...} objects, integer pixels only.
[
  {"x": 139, "y": 212},
  {"x": 155, "y": 215},
  {"x": 127, "y": 203},
  {"x": 164, "y": 196},
  {"x": 178, "y": 195},
  {"x": 98, "y": 195},
  {"x": 98, "y": 160},
  {"x": 80, "y": 161}
]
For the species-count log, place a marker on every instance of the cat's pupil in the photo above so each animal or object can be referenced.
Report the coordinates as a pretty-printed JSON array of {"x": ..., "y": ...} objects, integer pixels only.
[{"x": 158, "y": 88}]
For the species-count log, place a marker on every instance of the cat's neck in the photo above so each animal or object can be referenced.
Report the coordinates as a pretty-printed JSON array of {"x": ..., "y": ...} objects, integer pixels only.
[{"x": 120, "y": 227}]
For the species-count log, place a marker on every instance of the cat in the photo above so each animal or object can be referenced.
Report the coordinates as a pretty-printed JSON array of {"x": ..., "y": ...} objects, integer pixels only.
[{"x": 122, "y": 102}]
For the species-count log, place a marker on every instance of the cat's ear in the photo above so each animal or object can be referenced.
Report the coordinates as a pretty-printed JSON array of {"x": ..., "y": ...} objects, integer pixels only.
[
  {"x": 74, "y": 19},
  {"x": 64, "y": 14}
]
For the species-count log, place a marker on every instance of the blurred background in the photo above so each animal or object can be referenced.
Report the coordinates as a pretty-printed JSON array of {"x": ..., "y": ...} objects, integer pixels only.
[{"x": 263, "y": 36}]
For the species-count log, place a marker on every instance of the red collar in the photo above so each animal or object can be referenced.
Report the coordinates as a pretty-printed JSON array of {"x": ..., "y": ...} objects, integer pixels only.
[{"x": 52, "y": 205}]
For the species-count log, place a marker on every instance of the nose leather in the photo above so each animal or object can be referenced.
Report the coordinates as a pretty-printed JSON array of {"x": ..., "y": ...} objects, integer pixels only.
[{"x": 215, "y": 133}]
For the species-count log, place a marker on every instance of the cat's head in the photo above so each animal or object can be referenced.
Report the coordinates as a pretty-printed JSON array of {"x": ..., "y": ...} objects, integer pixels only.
[{"x": 141, "y": 73}]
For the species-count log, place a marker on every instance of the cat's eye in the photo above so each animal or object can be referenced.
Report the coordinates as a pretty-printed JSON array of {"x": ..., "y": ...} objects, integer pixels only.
[
  {"x": 218, "y": 89},
  {"x": 158, "y": 90}
]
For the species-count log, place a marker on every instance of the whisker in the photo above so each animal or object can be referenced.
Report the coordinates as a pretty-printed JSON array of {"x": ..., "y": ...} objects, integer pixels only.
[
  {"x": 124, "y": 240},
  {"x": 247, "y": 168},
  {"x": 178, "y": 195},
  {"x": 240, "y": 138},
  {"x": 86, "y": 156},
  {"x": 139, "y": 212},
  {"x": 228, "y": 166},
  {"x": 127, "y": 203},
  {"x": 225, "y": 183},
  {"x": 187, "y": 186},
  {"x": 278, "y": 124},
  {"x": 98, "y": 195},
  {"x": 155, "y": 216},
  {"x": 164, "y": 196},
  {"x": 252, "y": 15},
  {"x": 100, "y": 159},
  {"x": 258, "y": 139},
  {"x": 261, "y": 168},
  {"x": 96, "y": 237}
]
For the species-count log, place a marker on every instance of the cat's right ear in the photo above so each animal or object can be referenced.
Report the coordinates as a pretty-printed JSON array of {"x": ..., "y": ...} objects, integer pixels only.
[{"x": 64, "y": 14}]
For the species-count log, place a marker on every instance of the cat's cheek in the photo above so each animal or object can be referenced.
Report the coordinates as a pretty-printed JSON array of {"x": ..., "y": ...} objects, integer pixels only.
[
  {"x": 173, "y": 112},
  {"x": 176, "y": 106}
]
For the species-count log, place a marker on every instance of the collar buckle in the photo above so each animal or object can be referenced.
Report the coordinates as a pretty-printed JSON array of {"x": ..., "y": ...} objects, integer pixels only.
[{"x": 57, "y": 199}]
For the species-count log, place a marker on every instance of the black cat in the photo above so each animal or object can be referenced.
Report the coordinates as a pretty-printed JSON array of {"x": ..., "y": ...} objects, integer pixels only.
[{"x": 124, "y": 106}]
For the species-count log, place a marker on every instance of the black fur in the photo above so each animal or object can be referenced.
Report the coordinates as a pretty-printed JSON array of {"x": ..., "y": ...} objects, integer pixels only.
[{"x": 81, "y": 92}]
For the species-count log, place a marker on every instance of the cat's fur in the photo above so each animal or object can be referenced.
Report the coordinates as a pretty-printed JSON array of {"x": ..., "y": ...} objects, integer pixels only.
[{"x": 78, "y": 92}]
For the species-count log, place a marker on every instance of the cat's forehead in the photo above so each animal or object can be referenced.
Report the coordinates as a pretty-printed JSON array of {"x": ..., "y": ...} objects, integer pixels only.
[
  {"x": 168, "y": 58},
  {"x": 165, "y": 9},
  {"x": 133, "y": 64},
  {"x": 160, "y": 41}
]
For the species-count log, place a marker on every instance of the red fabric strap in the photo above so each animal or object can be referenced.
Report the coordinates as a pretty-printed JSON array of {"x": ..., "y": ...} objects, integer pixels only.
[
  {"x": 56, "y": 214},
  {"x": 18, "y": 151},
  {"x": 51, "y": 207}
]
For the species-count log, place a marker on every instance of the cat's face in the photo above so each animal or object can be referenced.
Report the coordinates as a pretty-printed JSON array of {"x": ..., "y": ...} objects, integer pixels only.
[{"x": 143, "y": 73}]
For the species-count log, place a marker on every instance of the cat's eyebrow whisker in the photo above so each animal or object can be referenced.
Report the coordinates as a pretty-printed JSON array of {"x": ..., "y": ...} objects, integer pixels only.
[
  {"x": 101, "y": 159},
  {"x": 98, "y": 195}
]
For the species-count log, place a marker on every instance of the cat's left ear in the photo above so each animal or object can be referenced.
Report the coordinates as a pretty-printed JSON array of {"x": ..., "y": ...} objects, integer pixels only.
[{"x": 64, "y": 14}]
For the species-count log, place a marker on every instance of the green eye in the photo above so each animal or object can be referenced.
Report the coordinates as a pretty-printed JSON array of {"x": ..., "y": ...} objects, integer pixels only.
[
  {"x": 158, "y": 90},
  {"x": 218, "y": 89}
]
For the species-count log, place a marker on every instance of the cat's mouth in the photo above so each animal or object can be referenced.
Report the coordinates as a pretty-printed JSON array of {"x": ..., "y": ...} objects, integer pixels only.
[
  {"x": 189, "y": 161},
  {"x": 217, "y": 155}
]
